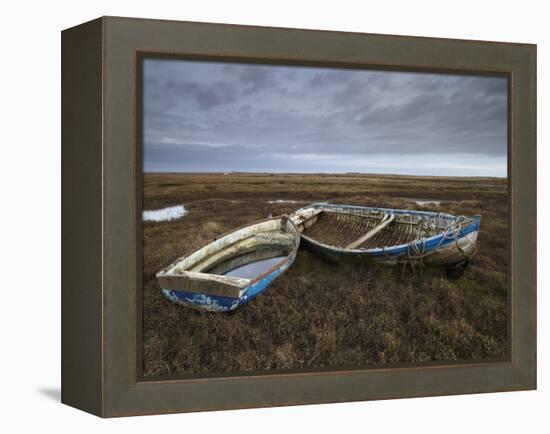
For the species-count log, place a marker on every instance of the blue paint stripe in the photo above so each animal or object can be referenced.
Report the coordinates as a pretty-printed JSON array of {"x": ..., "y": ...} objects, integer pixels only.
[
  {"x": 402, "y": 249},
  {"x": 430, "y": 243},
  {"x": 218, "y": 303}
]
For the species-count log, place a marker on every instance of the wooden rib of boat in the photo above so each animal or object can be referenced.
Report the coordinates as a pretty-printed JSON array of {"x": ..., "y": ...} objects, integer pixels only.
[
  {"x": 386, "y": 235},
  {"x": 234, "y": 268}
]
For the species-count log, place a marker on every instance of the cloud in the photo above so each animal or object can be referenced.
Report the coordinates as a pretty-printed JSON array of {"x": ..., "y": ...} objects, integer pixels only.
[
  {"x": 253, "y": 111},
  {"x": 205, "y": 96},
  {"x": 256, "y": 79}
]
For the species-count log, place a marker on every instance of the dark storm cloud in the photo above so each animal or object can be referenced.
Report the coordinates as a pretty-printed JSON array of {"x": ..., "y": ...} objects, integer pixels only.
[
  {"x": 325, "y": 79},
  {"x": 214, "y": 116},
  {"x": 206, "y": 97},
  {"x": 256, "y": 79}
]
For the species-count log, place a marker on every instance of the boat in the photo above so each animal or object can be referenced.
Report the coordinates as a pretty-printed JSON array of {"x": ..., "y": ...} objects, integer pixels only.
[
  {"x": 234, "y": 268},
  {"x": 346, "y": 232}
]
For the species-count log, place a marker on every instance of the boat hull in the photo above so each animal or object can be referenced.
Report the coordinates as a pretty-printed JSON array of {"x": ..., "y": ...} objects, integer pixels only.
[
  {"x": 204, "y": 280},
  {"x": 446, "y": 254},
  {"x": 447, "y": 248},
  {"x": 216, "y": 303}
]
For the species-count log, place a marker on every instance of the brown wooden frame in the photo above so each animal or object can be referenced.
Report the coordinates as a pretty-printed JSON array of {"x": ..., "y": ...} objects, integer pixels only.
[{"x": 101, "y": 215}]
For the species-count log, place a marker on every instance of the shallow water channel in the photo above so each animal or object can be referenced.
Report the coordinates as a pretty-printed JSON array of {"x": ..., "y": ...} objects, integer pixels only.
[
  {"x": 424, "y": 202},
  {"x": 164, "y": 214}
]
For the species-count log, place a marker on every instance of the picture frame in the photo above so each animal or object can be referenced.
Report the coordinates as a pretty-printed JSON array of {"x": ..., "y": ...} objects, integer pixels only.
[{"x": 101, "y": 215}]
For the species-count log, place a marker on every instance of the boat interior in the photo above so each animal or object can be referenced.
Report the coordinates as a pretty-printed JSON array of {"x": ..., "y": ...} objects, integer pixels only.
[
  {"x": 258, "y": 242},
  {"x": 370, "y": 228}
]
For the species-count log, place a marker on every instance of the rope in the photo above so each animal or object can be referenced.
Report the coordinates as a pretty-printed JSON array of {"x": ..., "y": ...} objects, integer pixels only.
[{"x": 416, "y": 250}]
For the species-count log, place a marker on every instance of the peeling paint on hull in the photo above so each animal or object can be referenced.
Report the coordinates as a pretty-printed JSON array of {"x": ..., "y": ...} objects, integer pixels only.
[
  {"x": 203, "y": 280},
  {"x": 215, "y": 303},
  {"x": 442, "y": 247},
  {"x": 446, "y": 254}
]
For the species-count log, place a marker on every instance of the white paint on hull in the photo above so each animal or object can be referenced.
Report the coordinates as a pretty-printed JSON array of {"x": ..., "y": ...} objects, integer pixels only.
[
  {"x": 455, "y": 251},
  {"x": 191, "y": 273}
]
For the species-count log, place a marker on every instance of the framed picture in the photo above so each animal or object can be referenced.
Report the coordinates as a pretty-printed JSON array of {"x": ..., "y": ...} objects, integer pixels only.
[{"x": 262, "y": 217}]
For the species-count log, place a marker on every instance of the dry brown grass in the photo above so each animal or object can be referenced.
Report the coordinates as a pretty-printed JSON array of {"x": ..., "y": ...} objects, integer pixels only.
[{"x": 320, "y": 314}]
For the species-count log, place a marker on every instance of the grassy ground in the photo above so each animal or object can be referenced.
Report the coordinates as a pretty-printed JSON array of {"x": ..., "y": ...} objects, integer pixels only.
[{"x": 320, "y": 314}]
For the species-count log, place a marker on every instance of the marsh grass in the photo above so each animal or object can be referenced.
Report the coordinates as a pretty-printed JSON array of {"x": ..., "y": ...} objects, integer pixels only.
[{"x": 320, "y": 314}]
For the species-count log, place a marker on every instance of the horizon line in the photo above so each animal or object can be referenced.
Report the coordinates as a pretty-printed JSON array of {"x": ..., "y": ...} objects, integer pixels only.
[{"x": 236, "y": 172}]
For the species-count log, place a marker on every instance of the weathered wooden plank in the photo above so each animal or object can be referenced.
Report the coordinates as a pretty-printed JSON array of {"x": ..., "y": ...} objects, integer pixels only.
[
  {"x": 212, "y": 258},
  {"x": 202, "y": 283},
  {"x": 371, "y": 233}
]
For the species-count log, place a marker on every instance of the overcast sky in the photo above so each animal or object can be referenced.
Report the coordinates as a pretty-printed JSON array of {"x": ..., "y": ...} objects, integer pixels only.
[{"x": 221, "y": 117}]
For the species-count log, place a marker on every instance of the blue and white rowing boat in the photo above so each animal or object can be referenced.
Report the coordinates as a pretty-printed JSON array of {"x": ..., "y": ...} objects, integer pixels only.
[
  {"x": 387, "y": 235},
  {"x": 234, "y": 268}
]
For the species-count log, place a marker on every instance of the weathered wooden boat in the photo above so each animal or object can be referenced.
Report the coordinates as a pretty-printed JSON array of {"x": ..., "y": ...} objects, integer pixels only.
[
  {"x": 339, "y": 232},
  {"x": 234, "y": 268}
]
